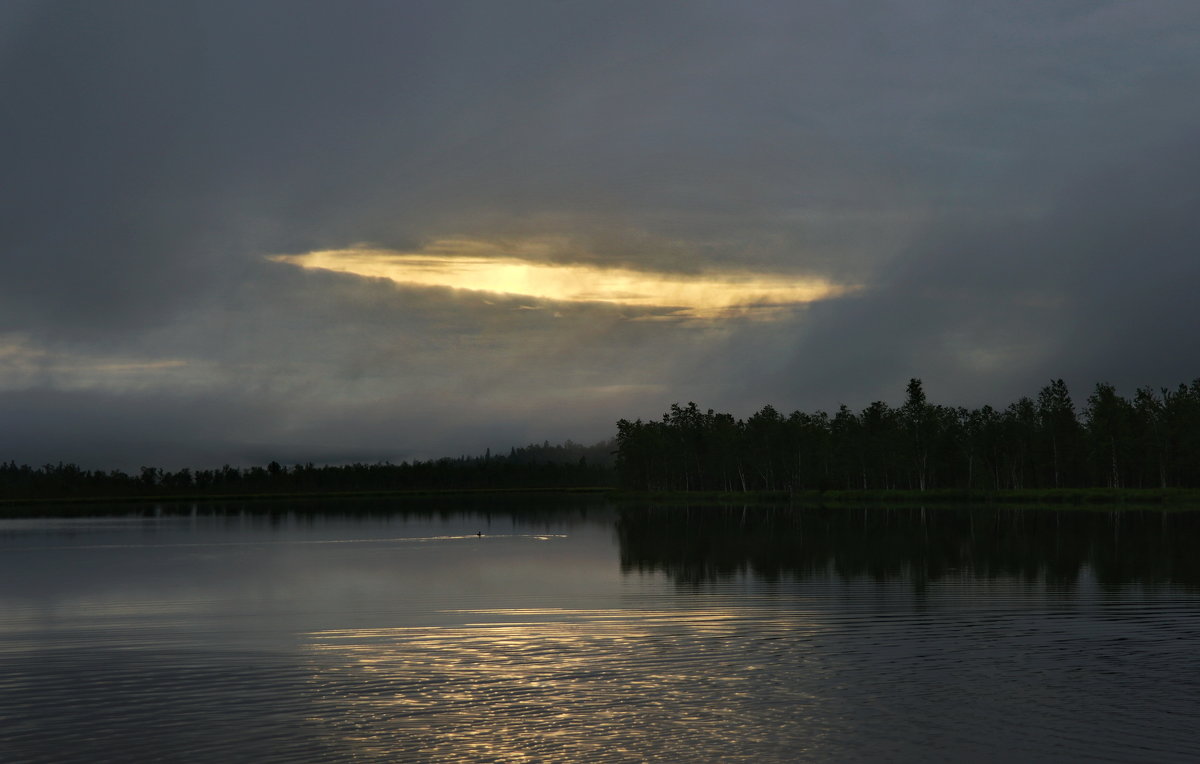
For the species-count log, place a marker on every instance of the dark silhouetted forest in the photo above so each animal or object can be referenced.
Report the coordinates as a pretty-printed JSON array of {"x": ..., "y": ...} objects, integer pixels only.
[
  {"x": 1149, "y": 441},
  {"x": 568, "y": 465}
]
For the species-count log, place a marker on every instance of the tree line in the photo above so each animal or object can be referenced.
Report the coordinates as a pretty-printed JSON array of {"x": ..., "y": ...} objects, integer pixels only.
[
  {"x": 567, "y": 465},
  {"x": 1149, "y": 441}
]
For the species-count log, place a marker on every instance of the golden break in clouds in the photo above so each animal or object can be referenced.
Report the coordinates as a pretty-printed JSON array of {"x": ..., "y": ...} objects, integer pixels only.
[{"x": 479, "y": 266}]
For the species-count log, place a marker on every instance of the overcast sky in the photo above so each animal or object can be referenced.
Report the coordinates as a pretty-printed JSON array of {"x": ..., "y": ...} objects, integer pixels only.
[{"x": 801, "y": 204}]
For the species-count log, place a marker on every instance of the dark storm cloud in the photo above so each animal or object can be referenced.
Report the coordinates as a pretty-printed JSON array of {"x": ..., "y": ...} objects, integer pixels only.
[
  {"x": 1095, "y": 289},
  {"x": 1010, "y": 184}
]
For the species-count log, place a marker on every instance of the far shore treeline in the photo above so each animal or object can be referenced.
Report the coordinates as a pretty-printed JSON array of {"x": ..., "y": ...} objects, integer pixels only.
[
  {"x": 568, "y": 465},
  {"x": 1149, "y": 441}
]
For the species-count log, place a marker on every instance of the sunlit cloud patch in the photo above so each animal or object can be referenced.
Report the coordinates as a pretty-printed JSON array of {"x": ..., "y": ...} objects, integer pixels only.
[{"x": 476, "y": 266}]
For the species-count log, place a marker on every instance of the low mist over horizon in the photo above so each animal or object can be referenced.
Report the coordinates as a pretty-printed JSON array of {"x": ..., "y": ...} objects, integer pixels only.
[{"x": 244, "y": 232}]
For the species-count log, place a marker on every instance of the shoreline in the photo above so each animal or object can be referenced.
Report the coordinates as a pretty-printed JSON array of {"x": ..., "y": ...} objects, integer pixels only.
[
  {"x": 1157, "y": 498},
  {"x": 1139, "y": 497},
  {"x": 7, "y": 504}
]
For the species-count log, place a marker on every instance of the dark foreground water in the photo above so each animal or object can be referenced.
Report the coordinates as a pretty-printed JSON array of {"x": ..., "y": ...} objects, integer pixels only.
[{"x": 573, "y": 631}]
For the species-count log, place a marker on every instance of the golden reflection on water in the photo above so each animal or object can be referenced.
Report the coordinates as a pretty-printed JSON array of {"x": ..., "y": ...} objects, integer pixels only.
[{"x": 564, "y": 685}]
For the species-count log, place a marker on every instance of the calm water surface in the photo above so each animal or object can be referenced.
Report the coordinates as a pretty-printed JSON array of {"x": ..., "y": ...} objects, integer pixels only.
[{"x": 571, "y": 630}]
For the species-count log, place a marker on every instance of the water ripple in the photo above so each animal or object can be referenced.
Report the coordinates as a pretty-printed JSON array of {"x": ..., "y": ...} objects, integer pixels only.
[{"x": 434, "y": 645}]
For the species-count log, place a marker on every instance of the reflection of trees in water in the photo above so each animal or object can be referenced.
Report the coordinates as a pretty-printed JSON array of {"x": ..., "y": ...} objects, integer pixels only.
[
  {"x": 698, "y": 544},
  {"x": 549, "y": 508}
]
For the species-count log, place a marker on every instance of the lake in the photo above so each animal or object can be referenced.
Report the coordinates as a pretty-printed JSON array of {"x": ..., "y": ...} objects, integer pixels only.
[{"x": 565, "y": 628}]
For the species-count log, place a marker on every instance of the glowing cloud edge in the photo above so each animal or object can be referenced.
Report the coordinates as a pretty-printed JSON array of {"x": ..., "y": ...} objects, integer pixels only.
[{"x": 708, "y": 295}]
